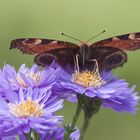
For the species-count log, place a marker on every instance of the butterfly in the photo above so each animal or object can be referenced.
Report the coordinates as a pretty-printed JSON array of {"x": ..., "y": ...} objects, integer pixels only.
[{"x": 109, "y": 53}]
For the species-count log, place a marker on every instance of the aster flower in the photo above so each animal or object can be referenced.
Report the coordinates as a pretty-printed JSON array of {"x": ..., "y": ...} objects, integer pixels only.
[
  {"x": 30, "y": 110},
  {"x": 27, "y": 77},
  {"x": 58, "y": 134},
  {"x": 112, "y": 92},
  {"x": 10, "y": 138}
]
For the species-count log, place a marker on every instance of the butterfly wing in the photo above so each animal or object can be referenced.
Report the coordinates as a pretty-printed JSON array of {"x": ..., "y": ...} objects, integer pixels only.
[
  {"x": 125, "y": 42},
  {"x": 63, "y": 56},
  {"x": 37, "y": 46},
  {"x": 47, "y": 50},
  {"x": 107, "y": 57},
  {"x": 110, "y": 52}
]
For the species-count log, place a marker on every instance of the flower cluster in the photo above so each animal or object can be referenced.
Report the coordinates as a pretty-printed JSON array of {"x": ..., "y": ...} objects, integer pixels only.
[
  {"x": 28, "y": 104},
  {"x": 113, "y": 92},
  {"x": 27, "y": 77},
  {"x": 30, "y": 97},
  {"x": 29, "y": 110}
]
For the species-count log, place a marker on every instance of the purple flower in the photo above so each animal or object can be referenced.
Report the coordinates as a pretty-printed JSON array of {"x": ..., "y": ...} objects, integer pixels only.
[
  {"x": 55, "y": 134},
  {"x": 27, "y": 77},
  {"x": 112, "y": 92},
  {"x": 58, "y": 134},
  {"x": 10, "y": 138},
  {"x": 31, "y": 109}
]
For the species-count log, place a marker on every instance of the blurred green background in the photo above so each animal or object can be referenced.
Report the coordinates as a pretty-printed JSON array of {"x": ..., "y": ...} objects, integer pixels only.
[{"x": 81, "y": 19}]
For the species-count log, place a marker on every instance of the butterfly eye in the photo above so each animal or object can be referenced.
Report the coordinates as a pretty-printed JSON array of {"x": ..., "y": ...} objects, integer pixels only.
[{"x": 31, "y": 42}]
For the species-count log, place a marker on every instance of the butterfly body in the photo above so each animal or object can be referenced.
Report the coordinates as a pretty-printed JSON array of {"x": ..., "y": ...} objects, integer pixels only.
[{"x": 109, "y": 53}]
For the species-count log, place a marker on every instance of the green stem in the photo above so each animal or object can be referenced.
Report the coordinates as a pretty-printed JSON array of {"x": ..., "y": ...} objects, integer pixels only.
[
  {"x": 85, "y": 127},
  {"x": 33, "y": 135},
  {"x": 17, "y": 138},
  {"x": 28, "y": 136},
  {"x": 90, "y": 108},
  {"x": 76, "y": 116},
  {"x": 70, "y": 128}
]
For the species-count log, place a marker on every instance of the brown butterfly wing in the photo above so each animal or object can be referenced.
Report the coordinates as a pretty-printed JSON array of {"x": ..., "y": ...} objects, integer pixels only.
[
  {"x": 47, "y": 50},
  {"x": 110, "y": 52},
  {"x": 107, "y": 57},
  {"x": 37, "y": 46},
  {"x": 63, "y": 56},
  {"x": 125, "y": 42}
]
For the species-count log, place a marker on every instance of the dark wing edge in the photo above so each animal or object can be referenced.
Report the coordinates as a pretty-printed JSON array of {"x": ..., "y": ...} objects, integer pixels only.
[
  {"x": 130, "y": 41},
  {"x": 36, "y": 46}
]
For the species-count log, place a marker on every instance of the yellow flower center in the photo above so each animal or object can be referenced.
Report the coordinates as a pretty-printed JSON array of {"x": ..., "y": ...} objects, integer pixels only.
[
  {"x": 88, "y": 79},
  {"x": 34, "y": 76},
  {"x": 26, "y": 108}
]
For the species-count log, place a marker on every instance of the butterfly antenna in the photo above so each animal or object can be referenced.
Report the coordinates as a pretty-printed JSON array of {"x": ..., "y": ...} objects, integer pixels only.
[
  {"x": 70, "y": 37},
  {"x": 96, "y": 36}
]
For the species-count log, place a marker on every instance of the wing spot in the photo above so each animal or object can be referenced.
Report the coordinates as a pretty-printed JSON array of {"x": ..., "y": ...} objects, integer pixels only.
[
  {"x": 115, "y": 38},
  {"x": 32, "y": 42},
  {"x": 54, "y": 42},
  {"x": 132, "y": 44},
  {"x": 132, "y": 36}
]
